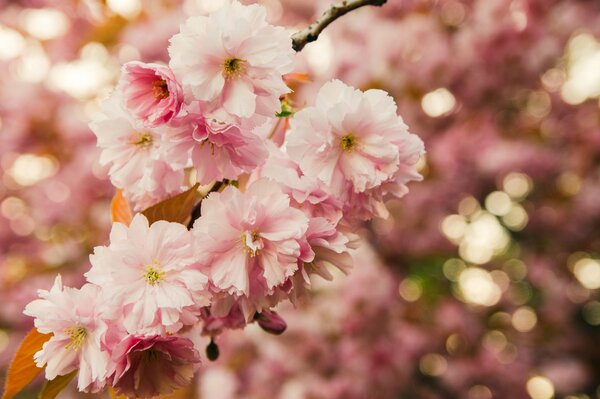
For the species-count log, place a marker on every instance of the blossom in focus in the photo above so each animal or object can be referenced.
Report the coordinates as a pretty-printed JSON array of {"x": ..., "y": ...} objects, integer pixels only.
[
  {"x": 132, "y": 153},
  {"x": 150, "y": 92},
  {"x": 73, "y": 316},
  {"x": 233, "y": 60},
  {"x": 148, "y": 366},
  {"x": 370, "y": 203},
  {"x": 330, "y": 247},
  {"x": 353, "y": 141},
  {"x": 250, "y": 243},
  {"x": 306, "y": 193},
  {"x": 144, "y": 274},
  {"x": 217, "y": 149}
]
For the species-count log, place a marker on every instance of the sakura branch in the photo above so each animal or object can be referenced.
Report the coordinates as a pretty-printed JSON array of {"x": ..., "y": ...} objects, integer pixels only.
[
  {"x": 159, "y": 285},
  {"x": 312, "y": 32}
]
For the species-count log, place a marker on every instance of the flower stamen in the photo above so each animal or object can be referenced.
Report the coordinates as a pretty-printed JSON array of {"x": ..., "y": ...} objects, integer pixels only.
[
  {"x": 348, "y": 142},
  {"x": 153, "y": 273},
  {"x": 142, "y": 139},
  {"x": 77, "y": 335},
  {"x": 160, "y": 88},
  {"x": 252, "y": 243},
  {"x": 233, "y": 67}
]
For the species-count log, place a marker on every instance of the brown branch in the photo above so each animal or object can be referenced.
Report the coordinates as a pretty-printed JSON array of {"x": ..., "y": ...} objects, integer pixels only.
[
  {"x": 197, "y": 210},
  {"x": 312, "y": 32}
]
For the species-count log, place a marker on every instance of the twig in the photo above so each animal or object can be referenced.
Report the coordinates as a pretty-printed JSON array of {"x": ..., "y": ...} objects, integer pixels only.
[
  {"x": 312, "y": 32},
  {"x": 197, "y": 210}
]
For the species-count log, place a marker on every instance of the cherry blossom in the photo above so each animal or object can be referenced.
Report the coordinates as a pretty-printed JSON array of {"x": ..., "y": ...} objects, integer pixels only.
[
  {"x": 250, "y": 243},
  {"x": 349, "y": 139},
  {"x": 145, "y": 274},
  {"x": 133, "y": 155},
  {"x": 73, "y": 317},
  {"x": 150, "y": 92},
  {"x": 148, "y": 366},
  {"x": 233, "y": 60},
  {"x": 217, "y": 149}
]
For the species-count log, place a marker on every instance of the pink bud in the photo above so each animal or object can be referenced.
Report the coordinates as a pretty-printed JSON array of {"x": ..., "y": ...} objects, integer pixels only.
[{"x": 271, "y": 322}]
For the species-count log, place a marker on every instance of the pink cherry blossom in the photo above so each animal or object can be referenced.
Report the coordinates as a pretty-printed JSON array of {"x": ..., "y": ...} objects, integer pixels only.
[
  {"x": 306, "y": 192},
  {"x": 145, "y": 275},
  {"x": 351, "y": 140},
  {"x": 370, "y": 203},
  {"x": 73, "y": 316},
  {"x": 217, "y": 149},
  {"x": 330, "y": 247},
  {"x": 233, "y": 59},
  {"x": 213, "y": 325},
  {"x": 133, "y": 155},
  {"x": 148, "y": 366},
  {"x": 250, "y": 243},
  {"x": 150, "y": 92}
]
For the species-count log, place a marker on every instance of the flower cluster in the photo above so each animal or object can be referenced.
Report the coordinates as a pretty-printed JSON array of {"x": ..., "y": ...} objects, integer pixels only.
[{"x": 286, "y": 212}]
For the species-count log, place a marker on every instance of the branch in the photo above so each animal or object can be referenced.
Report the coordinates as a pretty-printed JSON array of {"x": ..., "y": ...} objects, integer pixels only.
[
  {"x": 312, "y": 32},
  {"x": 197, "y": 210}
]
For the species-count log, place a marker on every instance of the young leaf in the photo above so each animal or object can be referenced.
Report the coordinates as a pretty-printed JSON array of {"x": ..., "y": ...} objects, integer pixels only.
[
  {"x": 53, "y": 387},
  {"x": 120, "y": 210},
  {"x": 114, "y": 395},
  {"x": 22, "y": 369},
  {"x": 175, "y": 209},
  {"x": 292, "y": 78}
]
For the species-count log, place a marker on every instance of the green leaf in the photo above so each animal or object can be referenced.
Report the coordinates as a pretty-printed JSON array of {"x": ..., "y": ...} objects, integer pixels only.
[
  {"x": 284, "y": 114},
  {"x": 53, "y": 387},
  {"x": 286, "y": 109}
]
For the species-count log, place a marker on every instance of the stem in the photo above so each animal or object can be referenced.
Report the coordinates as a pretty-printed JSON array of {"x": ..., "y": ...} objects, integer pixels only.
[
  {"x": 312, "y": 32},
  {"x": 197, "y": 210}
]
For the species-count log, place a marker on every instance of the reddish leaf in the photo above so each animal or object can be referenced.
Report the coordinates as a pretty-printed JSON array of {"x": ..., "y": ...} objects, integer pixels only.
[
  {"x": 114, "y": 395},
  {"x": 52, "y": 388},
  {"x": 120, "y": 210},
  {"x": 22, "y": 369},
  {"x": 291, "y": 78},
  {"x": 175, "y": 209},
  {"x": 187, "y": 392}
]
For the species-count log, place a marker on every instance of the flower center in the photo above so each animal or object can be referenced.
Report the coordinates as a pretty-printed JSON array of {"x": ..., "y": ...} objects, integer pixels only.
[
  {"x": 252, "y": 242},
  {"x": 233, "y": 67},
  {"x": 142, "y": 139},
  {"x": 348, "y": 142},
  {"x": 149, "y": 355},
  {"x": 153, "y": 273},
  {"x": 160, "y": 89},
  {"x": 77, "y": 335}
]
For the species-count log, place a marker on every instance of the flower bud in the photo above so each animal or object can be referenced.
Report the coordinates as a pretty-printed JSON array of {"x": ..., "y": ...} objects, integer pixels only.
[{"x": 271, "y": 322}]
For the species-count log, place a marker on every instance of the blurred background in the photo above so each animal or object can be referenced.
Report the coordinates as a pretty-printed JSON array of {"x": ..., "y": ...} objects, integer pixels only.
[{"x": 484, "y": 283}]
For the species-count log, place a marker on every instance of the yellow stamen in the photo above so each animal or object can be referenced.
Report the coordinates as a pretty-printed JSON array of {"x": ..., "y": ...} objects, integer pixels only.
[
  {"x": 233, "y": 67},
  {"x": 153, "y": 273},
  {"x": 348, "y": 142},
  {"x": 78, "y": 335},
  {"x": 251, "y": 243},
  {"x": 142, "y": 139}
]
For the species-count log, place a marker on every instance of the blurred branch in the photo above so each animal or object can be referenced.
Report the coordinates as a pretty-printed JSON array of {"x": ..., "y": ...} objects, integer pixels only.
[{"x": 312, "y": 32}]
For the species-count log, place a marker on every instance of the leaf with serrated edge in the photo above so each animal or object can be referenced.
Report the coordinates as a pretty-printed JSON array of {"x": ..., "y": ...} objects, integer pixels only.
[
  {"x": 53, "y": 387},
  {"x": 175, "y": 209},
  {"x": 22, "y": 369},
  {"x": 120, "y": 210}
]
